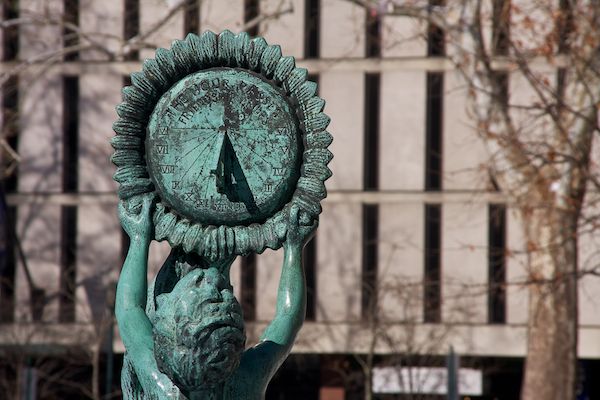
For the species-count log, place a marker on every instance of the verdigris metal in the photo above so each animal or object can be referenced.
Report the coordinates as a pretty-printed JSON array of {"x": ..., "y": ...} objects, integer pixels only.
[
  {"x": 185, "y": 335},
  {"x": 247, "y": 162},
  {"x": 221, "y": 149}
]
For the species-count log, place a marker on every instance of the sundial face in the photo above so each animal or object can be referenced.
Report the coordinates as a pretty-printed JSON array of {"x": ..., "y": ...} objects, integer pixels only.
[{"x": 223, "y": 147}]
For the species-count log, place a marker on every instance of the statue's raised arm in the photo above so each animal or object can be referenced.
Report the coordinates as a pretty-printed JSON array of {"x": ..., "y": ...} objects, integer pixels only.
[
  {"x": 279, "y": 336},
  {"x": 134, "y": 326}
]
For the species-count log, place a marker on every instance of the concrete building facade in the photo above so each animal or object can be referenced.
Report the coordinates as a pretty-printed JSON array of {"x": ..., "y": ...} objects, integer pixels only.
[{"x": 416, "y": 252}]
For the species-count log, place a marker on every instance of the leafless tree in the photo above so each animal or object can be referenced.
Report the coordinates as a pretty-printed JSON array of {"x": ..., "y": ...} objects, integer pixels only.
[{"x": 540, "y": 147}]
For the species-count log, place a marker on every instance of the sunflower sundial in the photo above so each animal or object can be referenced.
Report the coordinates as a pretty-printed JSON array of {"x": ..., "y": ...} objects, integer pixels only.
[{"x": 221, "y": 149}]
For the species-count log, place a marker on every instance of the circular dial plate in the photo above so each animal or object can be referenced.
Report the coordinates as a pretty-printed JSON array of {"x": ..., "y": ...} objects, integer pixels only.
[{"x": 223, "y": 147}]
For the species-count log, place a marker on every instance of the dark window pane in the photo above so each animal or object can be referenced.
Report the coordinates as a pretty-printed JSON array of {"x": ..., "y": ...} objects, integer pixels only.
[
  {"x": 312, "y": 28},
  {"x": 70, "y": 133},
  {"x": 131, "y": 25},
  {"x": 248, "y": 292},
  {"x": 434, "y": 109},
  {"x": 432, "y": 288},
  {"x": 497, "y": 263},
  {"x": 369, "y": 260},
  {"x": 309, "y": 257},
  {"x": 251, "y": 11},
  {"x": 70, "y": 35},
  {"x": 371, "y": 132},
  {"x": 68, "y": 264},
  {"x": 191, "y": 17}
]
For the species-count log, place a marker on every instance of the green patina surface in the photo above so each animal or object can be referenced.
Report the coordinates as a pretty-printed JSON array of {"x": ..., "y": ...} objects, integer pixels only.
[{"x": 221, "y": 149}]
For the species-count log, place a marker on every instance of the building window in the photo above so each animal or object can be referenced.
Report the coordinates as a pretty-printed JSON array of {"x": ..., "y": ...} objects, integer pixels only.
[
  {"x": 251, "y": 12},
  {"x": 70, "y": 133},
  {"x": 131, "y": 25},
  {"x": 191, "y": 17},
  {"x": 436, "y": 41},
  {"x": 70, "y": 36},
  {"x": 370, "y": 223},
  {"x": 433, "y": 130},
  {"x": 312, "y": 28},
  {"x": 373, "y": 33},
  {"x": 124, "y": 244},
  {"x": 436, "y": 47},
  {"x": 68, "y": 241},
  {"x": 8, "y": 266},
  {"x": 10, "y": 35},
  {"x": 432, "y": 296},
  {"x": 68, "y": 261},
  {"x": 10, "y": 131},
  {"x": 309, "y": 257},
  {"x": 497, "y": 263},
  {"x": 248, "y": 289},
  {"x": 371, "y": 132},
  {"x": 370, "y": 228},
  {"x": 500, "y": 27}
]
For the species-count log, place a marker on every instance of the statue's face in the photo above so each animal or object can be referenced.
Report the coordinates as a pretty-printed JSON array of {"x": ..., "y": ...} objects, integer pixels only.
[{"x": 204, "y": 321}]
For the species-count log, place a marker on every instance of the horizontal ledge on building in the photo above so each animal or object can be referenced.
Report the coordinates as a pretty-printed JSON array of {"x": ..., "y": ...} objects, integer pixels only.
[
  {"x": 341, "y": 196},
  {"x": 313, "y": 65},
  {"x": 483, "y": 340}
]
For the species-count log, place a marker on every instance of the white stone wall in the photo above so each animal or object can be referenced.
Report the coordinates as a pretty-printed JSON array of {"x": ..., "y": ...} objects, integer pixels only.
[{"x": 464, "y": 264}]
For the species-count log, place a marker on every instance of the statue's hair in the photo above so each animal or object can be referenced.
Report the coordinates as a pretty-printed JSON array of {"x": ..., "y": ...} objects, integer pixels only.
[{"x": 197, "y": 346}]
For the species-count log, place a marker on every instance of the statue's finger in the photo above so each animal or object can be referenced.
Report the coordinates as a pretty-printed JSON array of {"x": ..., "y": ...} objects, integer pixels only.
[
  {"x": 221, "y": 241},
  {"x": 122, "y": 211},
  {"x": 214, "y": 243},
  {"x": 294, "y": 210}
]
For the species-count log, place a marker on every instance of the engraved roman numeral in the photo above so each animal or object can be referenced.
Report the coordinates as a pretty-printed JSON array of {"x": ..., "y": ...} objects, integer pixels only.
[
  {"x": 278, "y": 171},
  {"x": 268, "y": 188},
  {"x": 162, "y": 149},
  {"x": 188, "y": 196},
  {"x": 163, "y": 131},
  {"x": 286, "y": 150},
  {"x": 166, "y": 169},
  {"x": 176, "y": 185}
]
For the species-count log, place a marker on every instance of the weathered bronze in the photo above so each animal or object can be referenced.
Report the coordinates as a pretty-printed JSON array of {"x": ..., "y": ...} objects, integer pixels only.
[{"x": 221, "y": 149}]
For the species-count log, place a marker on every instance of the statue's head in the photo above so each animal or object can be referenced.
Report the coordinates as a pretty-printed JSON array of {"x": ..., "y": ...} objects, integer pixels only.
[{"x": 198, "y": 327}]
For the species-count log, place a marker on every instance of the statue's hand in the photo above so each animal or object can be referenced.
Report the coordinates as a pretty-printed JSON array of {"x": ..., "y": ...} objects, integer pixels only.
[
  {"x": 136, "y": 219},
  {"x": 299, "y": 233}
]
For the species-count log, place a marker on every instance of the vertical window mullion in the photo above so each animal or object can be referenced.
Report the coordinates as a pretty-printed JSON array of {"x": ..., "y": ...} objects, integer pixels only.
[
  {"x": 432, "y": 312},
  {"x": 10, "y": 37},
  {"x": 433, "y": 130},
  {"x": 68, "y": 260},
  {"x": 370, "y": 212},
  {"x": 191, "y": 17},
  {"x": 312, "y": 28},
  {"x": 309, "y": 258},
  {"x": 70, "y": 36},
  {"x": 436, "y": 41},
  {"x": 8, "y": 267},
  {"x": 371, "y": 132},
  {"x": 251, "y": 11},
  {"x": 497, "y": 263},
  {"x": 500, "y": 27},
  {"x": 70, "y": 167},
  {"x": 131, "y": 25},
  {"x": 10, "y": 131},
  {"x": 372, "y": 33},
  {"x": 248, "y": 289},
  {"x": 370, "y": 227}
]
